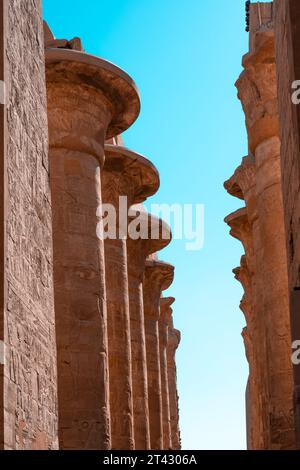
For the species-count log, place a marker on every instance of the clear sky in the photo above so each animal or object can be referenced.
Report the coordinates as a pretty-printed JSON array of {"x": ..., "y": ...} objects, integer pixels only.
[{"x": 185, "y": 57}]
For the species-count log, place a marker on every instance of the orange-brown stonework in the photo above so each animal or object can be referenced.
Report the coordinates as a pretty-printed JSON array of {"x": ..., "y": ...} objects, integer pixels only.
[
  {"x": 125, "y": 174},
  {"x": 137, "y": 252},
  {"x": 174, "y": 338},
  {"x": 28, "y": 377},
  {"x": 287, "y": 24},
  {"x": 157, "y": 278},
  {"x": 260, "y": 227},
  {"x": 78, "y": 366}
]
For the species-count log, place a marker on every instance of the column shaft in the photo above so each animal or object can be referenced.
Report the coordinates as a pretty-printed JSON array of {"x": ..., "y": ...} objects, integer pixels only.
[
  {"x": 128, "y": 178},
  {"x": 158, "y": 277},
  {"x": 163, "y": 342},
  {"x": 89, "y": 101},
  {"x": 136, "y": 262},
  {"x": 121, "y": 406},
  {"x": 275, "y": 295},
  {"x": 80, "y": 303},
  {"x": 154, "y": 381},
  {"x": 173, "y": 342}
]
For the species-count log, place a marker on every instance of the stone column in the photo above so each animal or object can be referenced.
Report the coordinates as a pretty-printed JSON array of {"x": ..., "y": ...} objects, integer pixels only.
[
  {"x": 164, "y": 321},
  {"x": 250, "y": 337},
  {"x": 243, "y": 186},
  {"x": 275, "y": 294},
  {"x": 287, "y": 23},
  {"x": 89, "y": 100},
  {"x": 242, "y": 229},
  {"x": 257, "y": 90},
  {"x": 126, "y": 174},
  {"x": 158, "y": 277},
  {"x": 173, "y": 343},
  {"x": 258, "y": 93},
  {"x": 137, "y": 252}
]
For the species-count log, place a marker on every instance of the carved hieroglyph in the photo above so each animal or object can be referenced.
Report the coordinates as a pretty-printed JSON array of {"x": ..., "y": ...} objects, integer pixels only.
[
  {"x": 59, "y": 338},
  {"x": 137, "y": 251},
  {"x": 89, "y": 100},
  {"x": 126, "y": 174},
  {"x": 28, "y": 381}
]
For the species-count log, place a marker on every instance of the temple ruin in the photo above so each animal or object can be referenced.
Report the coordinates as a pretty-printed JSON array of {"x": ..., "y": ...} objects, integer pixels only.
[
  {"x": 267, "y": 181},
  {"x": 88, "y": 337}
]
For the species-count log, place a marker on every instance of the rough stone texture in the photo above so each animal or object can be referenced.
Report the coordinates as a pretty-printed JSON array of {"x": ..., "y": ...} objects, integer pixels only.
[
  {"x": 137, "y": 252},
  {"x": 260, "y": 227},
  {"x": 173, "y": 343},
  {"x": 288, "y": 68},
  {"x": 158, "y": 277},
  {"x": 80, "y": 302},
  {"x": 163, "y": 325},
  {"x": 287, "y": 23},
  {"x": 125, "y": 174},
  {"x": 29, "y": 395},
  {"x": 81, "y": 116},
  {"x": 68, "y": 378}
]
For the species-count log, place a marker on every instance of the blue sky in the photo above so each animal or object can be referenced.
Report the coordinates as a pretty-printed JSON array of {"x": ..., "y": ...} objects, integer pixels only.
[{"x": 185, "y": 58}]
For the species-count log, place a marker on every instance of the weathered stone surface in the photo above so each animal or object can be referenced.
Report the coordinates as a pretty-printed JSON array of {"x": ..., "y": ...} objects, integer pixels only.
[
  {"x": 126, "y": 174},
  {"x": 260, "y": 227},
  {"x": 82, "y": 109},
  {"x": 29, "y": 387},
  {"x": 94, "y": 78},
  {"x": 137, "y": 252},
  {"x": 164, "y": 322},
  {"x": 71, "y": 378},
  {"x": 158, "y": 277},
  {"x": 287, "y": 23},
  {"x": 174, "y": 337},
  {"x": 50, "y": 41}
]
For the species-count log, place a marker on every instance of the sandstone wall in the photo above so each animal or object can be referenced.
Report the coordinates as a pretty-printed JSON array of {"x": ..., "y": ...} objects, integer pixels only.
[
  {"x": 260, "y": 227},
  {"x": 69, "y": 352},
  {"x": 287, "y": 42},
  {"x": 286, "y": 48},
  {"x": 29, "y": 394}
]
